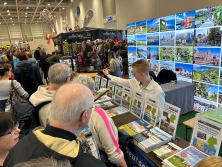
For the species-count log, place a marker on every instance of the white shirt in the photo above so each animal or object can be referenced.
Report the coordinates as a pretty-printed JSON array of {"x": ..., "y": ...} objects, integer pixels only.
[{"x": 153, "y": 89}]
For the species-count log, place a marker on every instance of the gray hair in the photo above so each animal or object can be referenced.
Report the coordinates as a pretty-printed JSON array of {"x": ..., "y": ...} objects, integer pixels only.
[
  {"x": 85, "y": 80},
  {"x": 68, "y": 104},
  {"x": 58, "y": 73},
  {"x": 44, "y": 162}
]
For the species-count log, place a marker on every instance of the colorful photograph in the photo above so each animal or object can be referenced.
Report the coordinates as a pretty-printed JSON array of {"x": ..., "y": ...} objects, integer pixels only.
[
  {"x": 202, "y": 105},
  {"x": 205, "y": 74},
  {"x": 221, "y": 76},
  {"x": 131, "y": 28},
  {"x": 141, "y": 52},
  {"x": 130, "y": 72},
  {"x": 208, "y": 37},
  {"x": 167, "y": 23},
  {"x": 208, "y": 17},
  {"x": 153, "y": 25},
  {"x": 206, "y": 91},
  {"x": 207, "y": 56},
  {"x": 153, "y": 39},
  {"x": 184, "y": 54},
  {"x": 185, "y": 20},
  {"x": 184, "y": 70},
  {"x": 153, "y": 53},
  {"x": 126, "y": 101},
  {"x": 167, "y": 65},
  {"x": 167, "y": 53},
  {"x": 131, "y": 52},
  {"x": 141, "y": 40},
  {"x": 154, "y": 65},
  {"x": 220, "y": 95},
  {"x": 131, "y": 40},
  {"x": 167, "y": 38},
  {"x": 141, "y": 27},
  {"x": 185, "y": 38}
]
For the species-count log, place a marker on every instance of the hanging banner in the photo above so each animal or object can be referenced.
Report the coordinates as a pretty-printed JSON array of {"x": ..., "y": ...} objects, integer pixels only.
[
  {"x": 77, "y": 14},
  {"x": 48, "y": 18},
  {"x": 88, "y": 17}
]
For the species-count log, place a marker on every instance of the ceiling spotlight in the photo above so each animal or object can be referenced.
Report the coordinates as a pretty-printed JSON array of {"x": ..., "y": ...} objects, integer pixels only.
[
  {"x": 12, "y": 21},
  {"x": 0, "y": 23},
  {"x": 10, "y": 18},
  {"x": 7, "y": 11},
  {"x": 13, "y": 24},
  {"x": 25, "y": 13},
  {"x": 63, "y": 8},
  {"x": 37, "y": 21},
  {"x": 39, "y": 17},
  {"x": 27, "y": 7},
  {"x": 25, "y": 16},
  {"x": 5, "y": 3},
  {"x": 54, "y": 15},
  {"x": 25, "y": 22},
  {"x": 48, "y": 4}
]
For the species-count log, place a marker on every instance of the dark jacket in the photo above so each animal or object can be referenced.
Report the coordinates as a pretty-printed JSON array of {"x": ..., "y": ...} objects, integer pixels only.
[
  {"x": 30, "y": 147},
  {"x": 37, "y": 55}
]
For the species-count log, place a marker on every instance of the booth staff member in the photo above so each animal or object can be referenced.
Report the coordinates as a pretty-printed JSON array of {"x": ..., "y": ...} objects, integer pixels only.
[{"x": 142, "y": 82}]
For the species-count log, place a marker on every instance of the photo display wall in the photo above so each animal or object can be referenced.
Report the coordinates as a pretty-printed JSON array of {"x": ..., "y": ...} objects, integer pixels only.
[{"x": 188, "y": 43}]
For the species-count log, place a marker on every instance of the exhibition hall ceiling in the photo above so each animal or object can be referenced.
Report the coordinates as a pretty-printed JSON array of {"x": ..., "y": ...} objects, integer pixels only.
[{"x": 28, "y": 11}]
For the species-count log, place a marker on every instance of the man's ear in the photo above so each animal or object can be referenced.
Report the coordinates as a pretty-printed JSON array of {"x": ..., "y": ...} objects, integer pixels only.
[
  {"x": 67, "y": 80},
  {"x": 83, "y": 116}
]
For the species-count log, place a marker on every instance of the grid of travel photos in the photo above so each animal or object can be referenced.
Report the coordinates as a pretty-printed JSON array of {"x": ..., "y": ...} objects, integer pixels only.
[{"x": 188, "y": 43}]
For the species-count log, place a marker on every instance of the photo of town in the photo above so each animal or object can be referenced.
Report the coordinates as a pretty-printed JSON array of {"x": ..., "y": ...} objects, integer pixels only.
[
  {"x": 167, "y": 65},
  {"x": 208, "y": 37},
  {"x": 185, "y": 37},
  {"x": 154, "y": 66},
  {"x": 167, "y": 53},
  {"x": 208, "y": 17},
  {"x": 153, "y": 25},
  {"x": 167, "y": 23},
  {"x": 153, "y": 53},
  {"x": 184, "y": 54},
  {"x": 131, "y": 28},
  {"x": 141, "y": 52},
  {"x": 131, "y": 40},
  {"x": 131, "y": 52},
  {"x": 206, "y": 91},
  {"x": 202, "y": 105},
  {"x": 141, "y": 40},
  {"x": 141, "y": 27},
  {"x": 153, "y": 39},
  {"x": 205, "y": 74},
  {"x": 184, "y": 70},
  {"x": 220, "y": 95},
  {"x": 185, "y": 20},
  {"x": 207, "y": 56},
  {"x": 167, "y": 39}
]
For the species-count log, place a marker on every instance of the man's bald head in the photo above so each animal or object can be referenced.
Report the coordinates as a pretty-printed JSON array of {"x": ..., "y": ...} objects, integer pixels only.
[{"x": 69, "y": 102}]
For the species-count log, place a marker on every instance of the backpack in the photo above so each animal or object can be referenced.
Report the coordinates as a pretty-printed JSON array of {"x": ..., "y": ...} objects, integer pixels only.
[{"x": 27, "y": 115}]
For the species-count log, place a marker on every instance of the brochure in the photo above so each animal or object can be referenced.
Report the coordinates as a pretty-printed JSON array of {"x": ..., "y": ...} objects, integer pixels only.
[
  {"x": 137, "y": 104},
  {"x": 111, "y": 88},
  {"x": 103, "y": 83},
  {"x": 105, "y": 105},
  {"x": 150, "y": 110},
  {"x": 167, "y": 150},
  {"x": 126, "y": 98},
  {"x": 169, "y": 119},
  {"x": 99, "y": 94},
  {"x": 206, "y": 136},
  {"x": 186, "y": 157},
  {"x": 214, "y": 115},
  {"x": 116, "y": 111},
  {"x": 97, "y": 82},
  {"x": 88, "y": 143},
  {"x": 118, "y": 94}
]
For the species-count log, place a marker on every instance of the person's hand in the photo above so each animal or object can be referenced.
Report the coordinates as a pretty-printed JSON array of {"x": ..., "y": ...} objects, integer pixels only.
[{"x": 105, "y": 71}]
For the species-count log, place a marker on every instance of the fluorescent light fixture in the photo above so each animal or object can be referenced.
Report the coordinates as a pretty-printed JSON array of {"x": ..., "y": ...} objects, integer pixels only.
[{"x": 5, "y": 3}]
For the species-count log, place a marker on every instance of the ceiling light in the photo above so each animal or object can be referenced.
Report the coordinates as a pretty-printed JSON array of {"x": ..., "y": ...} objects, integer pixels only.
[
  {"x": 25, "y": 16},
  {"x": 12, "y": 21},
  {"x": 25, "y": 22},
  {"x": 27, "y": 7},
  {"x": 63, "y": 8},
  {"x": 0, "y": 23},
  {"x": 37, "y": 21},
  {"x": 10, "y": 18},
  {"x": 54, "y": 15},
  {"x": 25, "y": 13},
  {"x": 48, "y": 4},
  {"x": 13, "y": 24},
  {"x": 39, "y": 17},
  {"x": 5, "y": 3},
  {"x": 7, "y": 11}
]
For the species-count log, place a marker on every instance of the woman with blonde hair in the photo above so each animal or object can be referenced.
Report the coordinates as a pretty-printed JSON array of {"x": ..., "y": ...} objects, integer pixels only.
[
  {"x": 4, "y": 59},
  {"x": 213, "y": 161}
]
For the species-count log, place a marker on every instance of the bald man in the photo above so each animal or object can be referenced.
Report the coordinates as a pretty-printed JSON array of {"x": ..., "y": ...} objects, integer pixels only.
[{"x": 70, "y": 111}]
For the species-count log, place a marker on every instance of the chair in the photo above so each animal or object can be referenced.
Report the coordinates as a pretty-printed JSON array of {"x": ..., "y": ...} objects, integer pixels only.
[
  {"x": 152, "y": 74},
  {"x": 165, "y": 76}
]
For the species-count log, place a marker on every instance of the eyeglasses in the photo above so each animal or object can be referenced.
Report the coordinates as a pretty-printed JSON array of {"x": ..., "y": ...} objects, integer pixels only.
[{"x": 13, "y": 130}]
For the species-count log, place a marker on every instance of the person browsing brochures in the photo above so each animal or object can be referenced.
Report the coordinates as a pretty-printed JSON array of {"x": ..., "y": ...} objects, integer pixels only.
[{"x": 141, "y": 82}]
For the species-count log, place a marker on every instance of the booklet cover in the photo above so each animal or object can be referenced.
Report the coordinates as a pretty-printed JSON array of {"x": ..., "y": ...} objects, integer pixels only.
[
  {"x": 103, "y": 83},
  {"x": 88, "y": 143},
  {"x": 214, "y": 115},
  {"x": 206, "y": 136},
  {"x": 118, "y": 94},
  {"x": 137, "y": 104},
  {"x": 98, "y": 95},
  {"x": 126, "y": 98},
  {"x": 116, "y": 111},
  {"x": 150, "y": 110},
  {"x": 169, "y": 119},
  {"x": 97, "y": 82},
  {"x": 111, "y": 88},
  {"x": 186, "y": 157}
]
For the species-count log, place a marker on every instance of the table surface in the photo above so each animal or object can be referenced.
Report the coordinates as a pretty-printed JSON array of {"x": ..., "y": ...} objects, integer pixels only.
[
  {"x": 189, "y": 123},
  {"x": 127, "y": 118},
  {"x": 180, "y": 84},
  {"x": 89, "y": 74}
]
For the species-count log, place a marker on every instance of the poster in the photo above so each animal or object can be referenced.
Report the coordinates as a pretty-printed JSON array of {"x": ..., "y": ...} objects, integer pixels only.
[
  {"x": 137, "y": 104},
  {"x": 153, "y": 25},
  {"x": 185, "y": 20},
  {"x": 167, "y": 23}
]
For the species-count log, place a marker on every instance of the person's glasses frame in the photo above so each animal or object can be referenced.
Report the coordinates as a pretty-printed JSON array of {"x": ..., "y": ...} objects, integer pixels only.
[{"x": 12, "y": 132}]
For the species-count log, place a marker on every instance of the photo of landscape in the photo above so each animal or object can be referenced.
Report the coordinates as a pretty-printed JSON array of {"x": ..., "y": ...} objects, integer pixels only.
[
  {"x": 153, "y": 25},
  {"x": 167, "y": 65},
  {"x": 221, "y": 76},
  {"x": 184, "y": 54},
  {"x": 167, "y": 53},
  {"x": 185, "y": 20},
  {"x": 153, "y": 53},
  {"x": 153, "y": 39},
  {"x": 220, "y": 95},
  {"x": 167, "y": 39},
  {"x": 131, "y": 52},
  {"x": 131, "y": 28},
  {"x": 184, "y": 70},
  {"x": 154, "y": 66},
  {"x": 131, "y": 40},
  {"x": 206, "y": 91},
  {"x": 202, "y": 105},
  {"x": 141, "y": 52},
  {"x": 167, "y": 23},
  {"x": 141, "y": 27},
  {"x": 207, "y": 56},
  {"x": 185, "y": 37},
  {"x": 208, "y": 37},
  {"x": 208, "y": 17},
  {"x": 141, "y": 40},
  {"x": 205, "y": 74}
]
